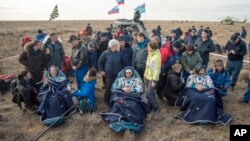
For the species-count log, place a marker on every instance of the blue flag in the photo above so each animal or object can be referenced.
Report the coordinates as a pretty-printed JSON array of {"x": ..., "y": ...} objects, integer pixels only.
[{"x": 141, "y": 8}]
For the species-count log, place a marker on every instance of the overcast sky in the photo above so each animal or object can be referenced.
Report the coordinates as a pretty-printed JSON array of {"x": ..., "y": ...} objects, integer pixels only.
[{"x": 197, "y": 10}]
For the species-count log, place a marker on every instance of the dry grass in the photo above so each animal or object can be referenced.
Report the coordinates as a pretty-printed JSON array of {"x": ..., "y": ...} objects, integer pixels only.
[{"x": 22, "y": 127}]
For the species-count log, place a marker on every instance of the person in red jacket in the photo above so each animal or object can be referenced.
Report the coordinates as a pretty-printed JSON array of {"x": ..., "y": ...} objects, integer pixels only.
[{"x": 169, "y": 56}]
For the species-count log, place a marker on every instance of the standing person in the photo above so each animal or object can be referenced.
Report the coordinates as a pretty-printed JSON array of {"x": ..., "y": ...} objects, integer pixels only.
[
  {"x": 34, "y": 59},
  {"x": 190, "y": 60},
  {"x": 92, "y": 54},
  {"x": 243, "y": 33},
  {"x": 200, "y": 31},
  {"x": 152, "y": 72},
  {"x": 178, "y": 32},
  {"x": 205, "y": 45},
  {"x": 158, "y": 29},
  {"x": 125, "y": 35},
  {"x": 169, "y": 55},
  {"x": 89, "y": 30},
  {"x": 192, "y": 28},
  {"x": 110, "y": 64},
  {"x": 137, "y": 16},
  {"x": 210, "y": 33},
  {"x": 56, "y": 51},
  {"x": 153, "y": 33},
  {"x": 134, "y": 45},
  {"x": 23, "y": 41},
  {"x": 84, "y": 38},
  {"x": 191, "y": 39},
  {"x": 78, "y": 59},
  {"x": 157, "y": 40},
  {"x": 141, "y": 54},
  {"x": 126, "y": 52},
  {"x": 103, "y": 45},
  {"x": 40, "y": 35},
  {"x": 173, "y": 36},
  {"x": 236, "y": 50}
]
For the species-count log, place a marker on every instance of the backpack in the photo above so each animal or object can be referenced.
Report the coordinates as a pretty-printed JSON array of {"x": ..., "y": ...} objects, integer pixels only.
[
  {"x": 85, "y": 105},
  {"x": 17, "y": 96}
]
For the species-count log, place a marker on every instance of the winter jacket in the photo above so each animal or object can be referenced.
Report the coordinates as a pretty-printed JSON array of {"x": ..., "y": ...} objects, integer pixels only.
[
  {"x": 87, "y": 89},
  {"x": 126, "y": 37},
  {"x": 57, "y": 54},
  {"x": 204, "y": 48},
  {"x": 110, "y": 62},
  {"x": 141, "y": 54},
  {"x": 89, "y": 30},
  {"x": 86, "y": 40},
  {"x": 199, "y": 32},
  {"x": 153, "y": 66},
  {"x": 239, "y": 48},
  {"x": 34, "y": 61},
  {"x": 79, "y": 56},
  {"x": 21, "y": 84},
  {"x": 103, "y": 46},
  {"x": 40, "y": 36},
  {"x": 127, "y": 55},
  {"x": 168, "y": 57},
  {"x": 191, "y": 40},
  {"x": 173, "y": 86},
  {"x": 221, "y": 80},
  {"x": 92, "y": 59},
  {"x": 243, "y": 34},
  {"x": 190, "y": 62},
  {"x": 178, "y": 32}
]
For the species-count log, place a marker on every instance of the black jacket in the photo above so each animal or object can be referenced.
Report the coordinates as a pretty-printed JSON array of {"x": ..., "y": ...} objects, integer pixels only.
[
  {"x": 34, "y": 61},
  {"x": 204, "y": 48},
  {"x": 239, "y": 48},
  {"x": 110, "y": 63},
  {"x": 103, "y": 46},
  {"x": 127, "y": 55},
  {"x": 79, "y": 56},
  {"x": 173, "y": 86}
]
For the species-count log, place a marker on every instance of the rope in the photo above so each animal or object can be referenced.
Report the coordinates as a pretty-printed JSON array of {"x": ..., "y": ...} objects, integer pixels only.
[{"x": 9, "y": 58}]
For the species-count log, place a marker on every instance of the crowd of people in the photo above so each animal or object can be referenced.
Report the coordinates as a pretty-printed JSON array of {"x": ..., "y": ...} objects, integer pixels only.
[{"x": 159, "y": 70}]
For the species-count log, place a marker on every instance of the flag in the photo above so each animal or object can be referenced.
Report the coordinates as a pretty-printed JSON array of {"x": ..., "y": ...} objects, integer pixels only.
[
  {"x": 54, "y": 13},
  {"x": 120, "y": 2},
  {"x": 114, "y": 10},
  {"x": 141, "y": 8}
]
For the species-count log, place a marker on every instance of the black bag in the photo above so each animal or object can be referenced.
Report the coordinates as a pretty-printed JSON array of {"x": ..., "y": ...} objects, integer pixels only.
[{"x": 17, "y": 95}]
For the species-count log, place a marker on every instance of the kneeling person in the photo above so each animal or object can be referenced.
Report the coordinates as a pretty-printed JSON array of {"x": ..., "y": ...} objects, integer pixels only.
[
  {"x": 28, "y": 90},
  {"x": 174, "y": 84}
]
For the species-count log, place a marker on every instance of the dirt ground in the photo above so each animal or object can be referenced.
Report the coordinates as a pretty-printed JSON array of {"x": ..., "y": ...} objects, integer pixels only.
[{"x": 18, "y": 126}]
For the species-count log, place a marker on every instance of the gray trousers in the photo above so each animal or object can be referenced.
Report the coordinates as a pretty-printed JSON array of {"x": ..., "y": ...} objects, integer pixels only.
[
  {"x": 234, "y": 68},
  {"x": 150, "y": 94}
]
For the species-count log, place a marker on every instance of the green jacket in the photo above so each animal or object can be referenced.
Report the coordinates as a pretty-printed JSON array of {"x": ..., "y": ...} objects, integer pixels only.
[{"x": 190, "y": 62}]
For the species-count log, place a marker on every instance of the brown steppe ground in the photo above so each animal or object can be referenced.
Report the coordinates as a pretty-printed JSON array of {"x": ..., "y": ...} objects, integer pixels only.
[{"x": 17, "y": 126}]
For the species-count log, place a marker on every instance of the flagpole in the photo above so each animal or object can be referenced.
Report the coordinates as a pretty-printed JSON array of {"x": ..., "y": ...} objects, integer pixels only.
[
  {"x": 60, "y": 26},
  {"x": 124, "y": 11},
  {"x": 145, "y": 11}
]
